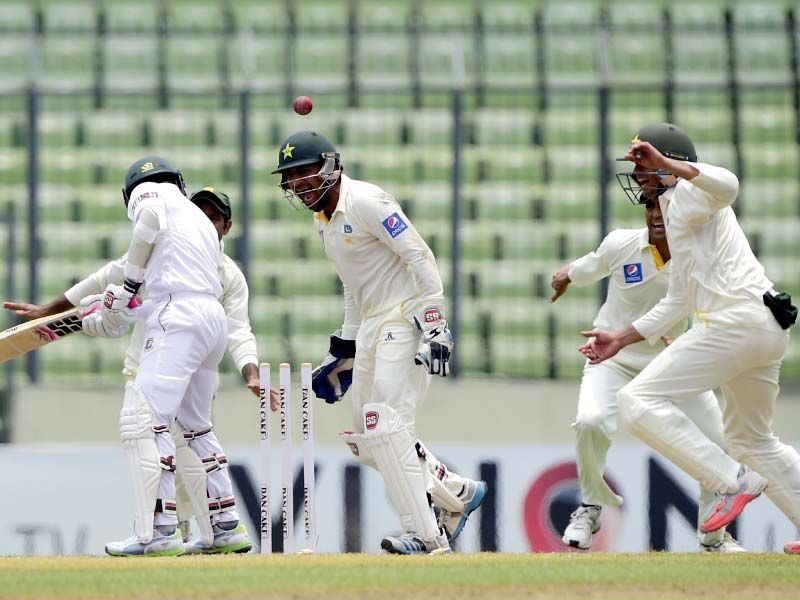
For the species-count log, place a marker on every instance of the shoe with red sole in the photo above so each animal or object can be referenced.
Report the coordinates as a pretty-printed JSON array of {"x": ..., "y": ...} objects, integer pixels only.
[
  {"x": 730, "y": 505},
  {"x": 792, "y": 548}
]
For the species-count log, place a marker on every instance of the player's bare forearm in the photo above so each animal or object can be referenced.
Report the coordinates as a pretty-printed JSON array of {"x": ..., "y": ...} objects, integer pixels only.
[
  {"x": 560, "y": 282},
  {"x": 250, "y": 375},
  {"x": 629, "y": 336},
  {"x": 603, "y": 344},
  {"x": 34, "y": 311},
  {"x": 646, "y": 155}
]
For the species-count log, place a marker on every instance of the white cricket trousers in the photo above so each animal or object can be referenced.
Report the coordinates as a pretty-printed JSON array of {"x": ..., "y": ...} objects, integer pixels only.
[
  {"x": 745, "y": 363},
  {"x": 184, "y": 341},
  {"x": 596, "y": 425},
  {"x": 384, "y": 369}
]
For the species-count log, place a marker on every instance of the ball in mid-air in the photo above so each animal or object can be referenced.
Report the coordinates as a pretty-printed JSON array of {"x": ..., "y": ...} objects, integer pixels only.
[{"x": 302, "y": 105}]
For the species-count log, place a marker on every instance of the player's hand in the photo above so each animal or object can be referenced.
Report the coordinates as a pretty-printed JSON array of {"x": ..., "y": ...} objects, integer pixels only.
[
  {"x": 437, "y": 341},
  {"x": 274, "y": 399},
  {"x": 119, "y": 306},
  {"x": 95, "y": 326},
  {"x": 601, "y": 346},
  {"x": 25, "y": 310},
  {"x": 251, "y": 377},
  {"x": 560, "y": 282},
  {"x": 333, "y": 377},
  {"x": 666, "y": 340},
  {"x": 646, "y": 155}
]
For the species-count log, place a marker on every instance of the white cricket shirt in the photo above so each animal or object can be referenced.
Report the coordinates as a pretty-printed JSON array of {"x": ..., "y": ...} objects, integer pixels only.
[
  {"x": 186, "y": 255},
  {"x": 380, "y": 257},
  {"x": 235, "y": 295},
  {"x": 638, "y": 279},
  {"x": 714, "y": 272}
]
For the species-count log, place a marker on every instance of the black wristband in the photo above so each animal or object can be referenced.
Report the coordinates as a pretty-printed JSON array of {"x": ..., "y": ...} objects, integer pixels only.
[{"x": 129, "y": 285}]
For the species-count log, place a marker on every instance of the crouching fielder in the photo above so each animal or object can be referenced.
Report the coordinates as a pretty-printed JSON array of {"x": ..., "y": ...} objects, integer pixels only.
[
  {"x": 393, "y": 316},
  {"x": 176, "y": 250}
]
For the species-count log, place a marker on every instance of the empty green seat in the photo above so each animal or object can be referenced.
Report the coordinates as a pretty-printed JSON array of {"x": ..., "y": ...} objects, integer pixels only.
[
  {"x": 130, "y": 63},
  {"x": 76, "y": 16}
]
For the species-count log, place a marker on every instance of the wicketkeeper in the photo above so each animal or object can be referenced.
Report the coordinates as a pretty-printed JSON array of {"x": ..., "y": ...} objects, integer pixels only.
[{"x": 393, "y": 318}]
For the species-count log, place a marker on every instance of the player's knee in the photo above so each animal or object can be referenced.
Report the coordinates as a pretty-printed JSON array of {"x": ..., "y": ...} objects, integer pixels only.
[
  {"x": 630, "y": 409},
  {"x": 591, "y": 421}
]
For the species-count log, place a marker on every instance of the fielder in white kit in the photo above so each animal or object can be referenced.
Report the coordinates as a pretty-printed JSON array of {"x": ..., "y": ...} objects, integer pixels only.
[
  {"x": 738, "y": 340},
  {"x": 176, "y": 250},
  {"x": 637, "y": 263},
  {"x": 394, "y": 317},
  {"x": 241, "y": 347}
]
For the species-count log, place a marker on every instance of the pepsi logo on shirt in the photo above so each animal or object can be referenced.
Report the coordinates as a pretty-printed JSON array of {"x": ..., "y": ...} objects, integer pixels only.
[
  {"x": 394, "y": 224},
  {"x": 632, "y": 272}
]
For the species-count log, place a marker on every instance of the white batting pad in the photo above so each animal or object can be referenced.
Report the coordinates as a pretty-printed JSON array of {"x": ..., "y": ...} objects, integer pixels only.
[
  {"x": 191, "y": 473},
  {"x": 144, "y": 461},
  {"x": 394, "y": 451}
]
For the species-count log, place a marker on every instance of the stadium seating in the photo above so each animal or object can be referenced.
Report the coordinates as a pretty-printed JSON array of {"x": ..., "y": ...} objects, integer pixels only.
[{"x": 124, "y": 78}]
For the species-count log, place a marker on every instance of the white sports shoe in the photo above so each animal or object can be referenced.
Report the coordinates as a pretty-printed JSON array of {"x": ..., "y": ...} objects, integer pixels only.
[
  {"x": 160, "y": 545},
  {"x": 472, "y": 496},
  {"x": 727, "y": 545},
  {"x": 583, "y": 524},
  {"x": 226, "y": 541},
  {"x": 410, "y": 543}
]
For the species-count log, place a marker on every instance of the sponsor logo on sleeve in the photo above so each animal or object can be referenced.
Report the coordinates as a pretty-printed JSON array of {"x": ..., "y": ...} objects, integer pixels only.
[
  {"x": 394, "y": 224},
  {"x": 141, "y": 198},
  {"x": 633, "y": 272},
  {"x": 371, "y": 420}
]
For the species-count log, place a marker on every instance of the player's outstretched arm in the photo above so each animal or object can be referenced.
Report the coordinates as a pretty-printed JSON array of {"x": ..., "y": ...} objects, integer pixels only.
[{"x": 34, "y": 311}]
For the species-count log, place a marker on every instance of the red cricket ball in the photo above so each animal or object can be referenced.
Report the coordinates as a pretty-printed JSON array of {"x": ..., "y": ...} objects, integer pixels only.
[{"x": 302, "y": 105}]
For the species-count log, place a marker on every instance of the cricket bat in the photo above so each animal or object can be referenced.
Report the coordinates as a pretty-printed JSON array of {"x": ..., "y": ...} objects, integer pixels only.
[{"x": 30, "y": 335}]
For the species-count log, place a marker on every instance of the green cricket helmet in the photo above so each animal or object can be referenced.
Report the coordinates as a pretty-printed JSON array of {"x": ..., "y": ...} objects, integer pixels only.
[
  {"x": 151, "y": 168},
  {"x": 216, "y": 198},
  {"x": 308, "y": 148},
  {"x": 672, "y": 142}
]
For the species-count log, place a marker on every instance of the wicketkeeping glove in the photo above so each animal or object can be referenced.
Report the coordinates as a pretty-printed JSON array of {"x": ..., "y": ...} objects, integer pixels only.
[
  {"x": 437, "y": 341},
  {"x": 331, "y": 379}
]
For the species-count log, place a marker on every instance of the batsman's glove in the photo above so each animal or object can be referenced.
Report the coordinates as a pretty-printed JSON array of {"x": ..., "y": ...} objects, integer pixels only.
[
  {"x": 119, "y": 302},
  {"x": 437, "y": 341},
  {"x": 93, "y": 322},
  {"x": 333, "y": 377}
]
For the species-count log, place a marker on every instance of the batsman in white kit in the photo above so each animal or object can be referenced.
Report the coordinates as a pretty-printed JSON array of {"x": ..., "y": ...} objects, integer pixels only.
[
  {"x": 738, "y": 340},
  {"x": 637, "y": 263},
  {"x": 393, "y": 318},
  {"x": 242, "y": 349},
  {"x": 176, "y": 250}
]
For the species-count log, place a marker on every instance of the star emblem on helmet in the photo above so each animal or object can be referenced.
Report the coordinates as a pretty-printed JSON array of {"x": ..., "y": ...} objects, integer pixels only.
[{"x": 287, "y": 151}]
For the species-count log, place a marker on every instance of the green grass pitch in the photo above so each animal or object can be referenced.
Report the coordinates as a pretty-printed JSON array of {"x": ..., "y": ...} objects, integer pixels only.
[{"x": 507, "y": 576}]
